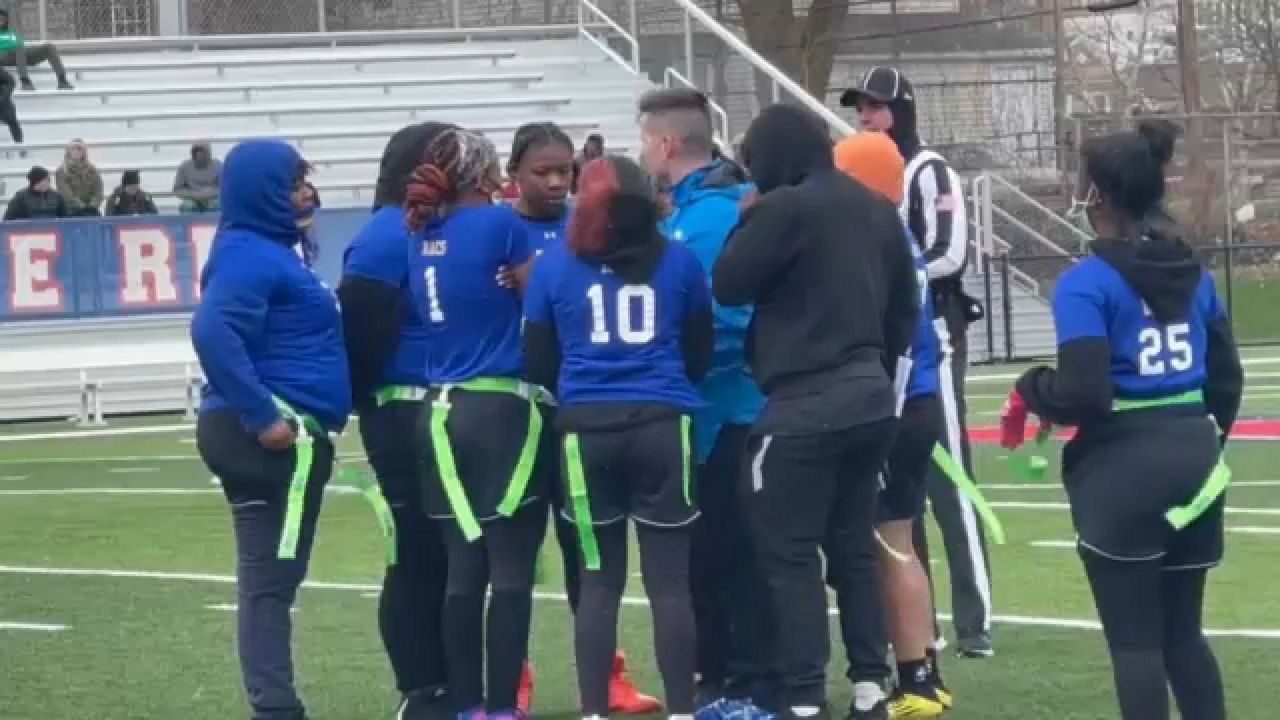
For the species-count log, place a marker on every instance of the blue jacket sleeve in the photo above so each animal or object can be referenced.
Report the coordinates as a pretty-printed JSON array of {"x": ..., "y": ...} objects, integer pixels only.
[
  {"x": 229, "y": 320},
  {"x": 704, "y": 230}
]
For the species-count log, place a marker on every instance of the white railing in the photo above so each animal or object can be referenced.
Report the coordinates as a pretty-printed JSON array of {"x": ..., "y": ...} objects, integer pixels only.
[
  {"x": 672, "y": 77},
  {"x": 598, "y": 15}
]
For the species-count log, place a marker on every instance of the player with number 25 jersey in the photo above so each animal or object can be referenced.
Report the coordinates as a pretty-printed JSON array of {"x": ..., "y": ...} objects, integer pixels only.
[{"x": 619, "y": 321}]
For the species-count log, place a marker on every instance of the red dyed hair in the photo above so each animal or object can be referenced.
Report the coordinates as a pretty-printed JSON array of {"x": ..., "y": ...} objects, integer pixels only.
[
  {"x": 432, "y": 182},
  {"x": 589, "y": 225}
]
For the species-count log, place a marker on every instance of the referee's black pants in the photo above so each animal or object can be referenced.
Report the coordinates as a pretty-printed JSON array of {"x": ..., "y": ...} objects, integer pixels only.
[{"x": 811, "y": 492}]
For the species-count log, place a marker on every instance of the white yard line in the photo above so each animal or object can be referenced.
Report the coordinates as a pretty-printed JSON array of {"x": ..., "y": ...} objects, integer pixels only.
[
  {"x": 1018, "y": 505},
  {"x": 1055, "y": 486},
  {"x": 12, "y": 478},
  {"x": 53, "y": 492},
  {"x": 132, "y": 470},
  {"x": 371, "y": 591},
  {"x": 38, "y": 627},
  {"x": 102, "y": 432},
  {"x": 98, "y": 460}
]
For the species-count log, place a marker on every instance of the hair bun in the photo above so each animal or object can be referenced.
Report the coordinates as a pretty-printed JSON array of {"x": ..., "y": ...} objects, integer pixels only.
[{"x": 1160, "y": 136}]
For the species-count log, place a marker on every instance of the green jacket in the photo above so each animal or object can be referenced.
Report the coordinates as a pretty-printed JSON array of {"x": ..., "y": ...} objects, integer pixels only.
[{"x": 10, "y": 40}]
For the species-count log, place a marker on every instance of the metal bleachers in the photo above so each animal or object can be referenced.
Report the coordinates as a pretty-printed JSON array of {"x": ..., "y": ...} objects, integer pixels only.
[{"x": 139, "y": 105}]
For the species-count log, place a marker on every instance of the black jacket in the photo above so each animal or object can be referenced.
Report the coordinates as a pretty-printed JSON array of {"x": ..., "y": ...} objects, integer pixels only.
[
  {"x": 828, "y": 266},
  {"x": 27, "y": 204}
]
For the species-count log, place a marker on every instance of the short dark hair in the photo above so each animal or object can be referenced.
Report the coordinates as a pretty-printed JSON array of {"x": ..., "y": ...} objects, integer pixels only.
[{"x": 686, "y": 111}]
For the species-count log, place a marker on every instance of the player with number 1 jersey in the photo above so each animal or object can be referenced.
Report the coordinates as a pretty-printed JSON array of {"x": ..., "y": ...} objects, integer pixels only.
[
  {"x": 483, "y": 420},
  {"x": 619, "y": 320},
  {"x": 1145, "y": 360}
]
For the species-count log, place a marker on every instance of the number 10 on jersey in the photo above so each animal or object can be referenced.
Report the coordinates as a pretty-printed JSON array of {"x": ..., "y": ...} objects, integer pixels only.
[{"x": 629, "y": 298}]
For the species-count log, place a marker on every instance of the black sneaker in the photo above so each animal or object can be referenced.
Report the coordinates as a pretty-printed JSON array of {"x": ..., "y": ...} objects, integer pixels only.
[
  {"x": 28, "y": 85},
  {"x": 425, "y": 704},
  {"x": 879, "y": 711},
  {"x": 976, "y": 647},
  {"x": 64, "y": 85}
]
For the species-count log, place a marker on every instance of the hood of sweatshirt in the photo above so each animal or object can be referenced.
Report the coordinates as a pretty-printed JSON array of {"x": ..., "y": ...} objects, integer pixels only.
[
  {"x": 784, "y": 145},
  {"x": 1161, "y": 267},
  {"x": 259, "y": 177}
]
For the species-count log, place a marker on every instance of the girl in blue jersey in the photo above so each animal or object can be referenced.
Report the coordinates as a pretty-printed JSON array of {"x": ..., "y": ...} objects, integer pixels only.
[
  {"x": 482, "y": 419},
  {"x": 619, "y": 321},
  {"x": 1146, "y": 364},
  {"x": 269, "y": 339},
  {"x": 541, "y": 165},
  {"x": 386, "y": 344}
]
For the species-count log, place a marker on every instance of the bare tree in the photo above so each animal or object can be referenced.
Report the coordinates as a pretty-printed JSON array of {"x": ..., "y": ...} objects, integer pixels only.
[
  {"x": 801, "y": 43},
  {"x": 1106, "y": 53},
  {"x": 1244, "y": 36}
]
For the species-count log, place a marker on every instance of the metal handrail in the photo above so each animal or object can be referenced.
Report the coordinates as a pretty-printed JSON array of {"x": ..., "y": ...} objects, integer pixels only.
[
  {"x": 716, "y": 109},
  {"x": 630, "y": 37},
  {"x": 780, "y": 79},
  {"x": 1079, "y": 234}
]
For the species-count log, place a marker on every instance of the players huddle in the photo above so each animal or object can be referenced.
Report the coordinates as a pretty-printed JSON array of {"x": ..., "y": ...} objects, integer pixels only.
[{"x": 755, "y": 373}]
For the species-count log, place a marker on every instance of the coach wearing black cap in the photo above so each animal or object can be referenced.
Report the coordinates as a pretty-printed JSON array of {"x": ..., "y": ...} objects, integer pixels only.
[{"x": 934, "y": 209}]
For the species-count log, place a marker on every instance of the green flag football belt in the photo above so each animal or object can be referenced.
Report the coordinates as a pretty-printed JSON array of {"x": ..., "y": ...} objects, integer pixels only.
[
  {"x": 448, "y": 467},
  {"x": 581, "y": 501},
  {"x": 308, "y": 429}
]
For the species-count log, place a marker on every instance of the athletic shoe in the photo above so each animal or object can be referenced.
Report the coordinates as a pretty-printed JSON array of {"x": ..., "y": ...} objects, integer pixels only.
[
  {"x": 975, "y": 647},
  {"x": 731, "y": 709},
  {"x": 624, "y": 697},
  {"x": 879, "y": 711},
  {"x": 524, "y": 695},
  {"x": 941, "y": 692},
  {"x": 475, "y": 713},
  {"x": 824, "y": 713},
  {"x": 425, "y": 704},
  {"x": 915, "y": 705}
]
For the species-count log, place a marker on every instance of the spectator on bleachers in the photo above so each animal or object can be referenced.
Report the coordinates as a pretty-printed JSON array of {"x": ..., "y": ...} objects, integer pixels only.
[
  {"x": 196, "y": 183},
  {"x": 593, "y": 148},
  {"x": 15, "y": 51},
  {"x": 130, "y": 198},
  {"x": 79, "y": 181},
  {"x": 38, "y": 200},
  {"x": 9, "y": 111}
]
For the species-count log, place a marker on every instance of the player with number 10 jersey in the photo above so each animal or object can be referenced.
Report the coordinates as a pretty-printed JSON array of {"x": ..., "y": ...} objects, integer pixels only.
[{"x": 619, "y": 321}]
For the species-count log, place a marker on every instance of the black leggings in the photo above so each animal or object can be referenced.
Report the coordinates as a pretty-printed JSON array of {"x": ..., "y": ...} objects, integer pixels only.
[
  {"x": 1152, "y": 621},
  {"x": 503, "y": 559},
  {"x": 664, "y": 565}
]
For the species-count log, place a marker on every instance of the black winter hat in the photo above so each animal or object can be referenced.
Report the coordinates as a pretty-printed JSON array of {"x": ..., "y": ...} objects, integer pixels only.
[
  {"x": 131, "y": 177},
  {"x": 36, "y": 174}
]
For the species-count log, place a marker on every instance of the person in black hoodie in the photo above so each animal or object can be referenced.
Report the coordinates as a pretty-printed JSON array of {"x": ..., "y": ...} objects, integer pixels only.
[
  {"x": 618, "y": 320},
  {"x": 827, "y": 265},
  {"x": 38, "y": 200},
  {"x": 934, "y": 207},
  {"x": 386, "y": 344},
  {"x": 1146, "y": 358}
]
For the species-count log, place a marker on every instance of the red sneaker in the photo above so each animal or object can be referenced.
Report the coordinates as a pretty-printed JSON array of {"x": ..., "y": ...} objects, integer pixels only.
[
  {"x": 524, "y": 696},
  {"x": 624, "y": 697}
]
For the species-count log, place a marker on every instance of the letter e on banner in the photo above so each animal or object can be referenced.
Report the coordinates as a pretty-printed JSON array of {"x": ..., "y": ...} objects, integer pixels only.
[
  {"x": 146, "y": 266},
  {"x": 201, "y": 237},
  {"x": 33, "y": 283}
]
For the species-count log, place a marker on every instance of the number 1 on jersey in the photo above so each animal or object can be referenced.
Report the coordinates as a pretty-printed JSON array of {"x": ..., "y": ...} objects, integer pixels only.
[
  {"x": 433, "y": 297},
  {"x": 629, "y": 334}
]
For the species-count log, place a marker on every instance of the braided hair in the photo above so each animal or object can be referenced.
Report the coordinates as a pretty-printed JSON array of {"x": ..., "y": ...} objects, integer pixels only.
[
  {"x": 455, "y": 162},
  {"x": 532, "y": 135}
]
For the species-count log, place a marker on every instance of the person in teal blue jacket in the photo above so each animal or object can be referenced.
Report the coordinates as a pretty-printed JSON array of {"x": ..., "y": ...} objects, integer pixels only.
[{"x": 706, "y": 190}]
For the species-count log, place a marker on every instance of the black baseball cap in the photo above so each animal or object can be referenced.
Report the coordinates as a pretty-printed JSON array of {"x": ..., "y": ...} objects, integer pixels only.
[{"x": 880, "y": 84}]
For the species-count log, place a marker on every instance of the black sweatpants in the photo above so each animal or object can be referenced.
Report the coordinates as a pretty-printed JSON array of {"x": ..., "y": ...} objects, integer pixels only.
[
  {"x": 963, "y": 536},
  {"x": 730, "y": 604},
  {"x": 411, "y": 605},
  {"x": 34, "y": 54},
  {"x": 638, "y": 472},
  {"x": 256, "y": 483},
  {"x": 9, "y": 116},
  {"x": 811, "y": 492}
]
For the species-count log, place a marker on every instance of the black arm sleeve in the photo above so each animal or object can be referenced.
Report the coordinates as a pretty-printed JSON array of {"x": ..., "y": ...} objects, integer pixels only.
[
  {"x": 697, "y": 340},
  {"x": 372, "y": 313},
  {"x": 542, "y": 354},
  {"x": 757, "y": 251},
  {"x": 1078, "y": 390},
  {"x": 1225, "y": 383},
  {"x": 902, "y": 313}
]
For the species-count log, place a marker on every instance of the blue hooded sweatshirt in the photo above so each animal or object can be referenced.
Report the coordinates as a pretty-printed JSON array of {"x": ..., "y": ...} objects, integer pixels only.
[
  {"x": 705, "y": 212},
  {"x": 266, "y": 325}
]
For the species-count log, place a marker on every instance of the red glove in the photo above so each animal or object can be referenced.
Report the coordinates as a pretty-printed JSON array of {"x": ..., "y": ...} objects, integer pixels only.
[{"x": 1013, "y": 421}]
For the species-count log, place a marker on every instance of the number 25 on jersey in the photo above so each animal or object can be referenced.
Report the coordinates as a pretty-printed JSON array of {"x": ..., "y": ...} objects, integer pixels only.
[
  {"x": 630, "y": 300},
  {"x": 1165, "y": 349}
]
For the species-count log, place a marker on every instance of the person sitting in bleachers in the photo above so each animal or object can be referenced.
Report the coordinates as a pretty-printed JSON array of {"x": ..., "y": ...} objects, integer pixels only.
[
  {"x": 15, "y": 52},
  {"x": 130, "y": 198},
  {"x": 79, "y": 181},
  {"x": 38, "y": 200},
  {"x": 196, "y": 183}
]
